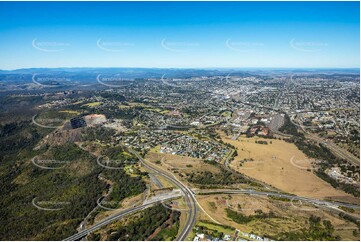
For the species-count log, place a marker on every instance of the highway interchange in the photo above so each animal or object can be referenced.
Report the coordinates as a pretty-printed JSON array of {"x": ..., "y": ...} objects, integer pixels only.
[
  {"x": 108, "y": 220},
  {"x": 188, "y": 195},
  {"x": 191, "y": 202},
  {"x": 192, "y": 216}
]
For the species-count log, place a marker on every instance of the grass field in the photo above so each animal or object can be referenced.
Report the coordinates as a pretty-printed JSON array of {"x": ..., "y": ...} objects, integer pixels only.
[
  {"x": 216, "y": 227},
  {"x": 93, "y": 104},
  {"x": 181, "y": 163},
  {"x": 70, "y": 112},
  {"x": 289, "y": 216},
  {"x": 283, "y": 166}
]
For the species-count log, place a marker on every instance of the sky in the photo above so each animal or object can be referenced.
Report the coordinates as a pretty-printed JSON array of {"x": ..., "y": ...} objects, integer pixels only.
[{"x": 180, "y": 34}]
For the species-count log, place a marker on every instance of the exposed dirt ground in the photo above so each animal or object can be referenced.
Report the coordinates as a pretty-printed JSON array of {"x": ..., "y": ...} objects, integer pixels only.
[
  {"x": 289, "y": 216},
  {"x": 283, "y": 166}
]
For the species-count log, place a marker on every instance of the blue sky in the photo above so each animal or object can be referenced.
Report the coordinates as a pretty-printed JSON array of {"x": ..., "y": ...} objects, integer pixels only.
[{"x": 179, "y": 34}]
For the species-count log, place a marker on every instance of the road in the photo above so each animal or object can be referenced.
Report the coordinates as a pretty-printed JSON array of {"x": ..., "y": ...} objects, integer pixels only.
[
  {"x": 188, "y": 195},
  {"x": 282, "y": 195},
  {"x": 338, "y": 151},
  {"x": 109, "y": 220},
  {"x": 288, "y": 196},
  {"x": 190, "y": 199},
  {"x": 155, "y": 180},
  {"x": 276, "y": 104},
  {"x": 292, "y": 197},
  {"x": 189, "y": 225}
]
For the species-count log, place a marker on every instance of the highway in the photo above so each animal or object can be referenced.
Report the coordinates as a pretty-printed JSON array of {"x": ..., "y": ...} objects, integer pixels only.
[
  {"x": 282, "y": 195},
  {"x": 273, "y": 193},
  {"x": 109, "y": 220},
  {"x": 192, "y": 217},
  {"x": 291, "y": 197},
  {"x": 188, "y": 195},
  {"x": 155, "y": 180},
  {"x": 338, "y": 151},
  {"x": 190, "y": 200}
]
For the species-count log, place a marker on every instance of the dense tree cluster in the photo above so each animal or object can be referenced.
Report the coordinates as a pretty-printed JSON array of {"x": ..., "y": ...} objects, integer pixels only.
[
  {"x": 243, "y": 219},
  {"x": 76, "y": 186},
  {"x": 288, "y": 127},
  {"x": 124, "y": 185},
  {"x": 77, "y": 194},
  {"x": 140, "y": 229},
  {"x": 99, "y": 133}
]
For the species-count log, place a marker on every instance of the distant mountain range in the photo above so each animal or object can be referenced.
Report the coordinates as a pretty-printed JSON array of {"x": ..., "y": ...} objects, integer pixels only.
[
  {"x": 24, "y": 79},
  {"x": 177, "y": 72}
]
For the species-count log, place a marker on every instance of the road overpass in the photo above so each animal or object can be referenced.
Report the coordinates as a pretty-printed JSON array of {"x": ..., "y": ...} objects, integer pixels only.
[{"x": 111, "y": 219}]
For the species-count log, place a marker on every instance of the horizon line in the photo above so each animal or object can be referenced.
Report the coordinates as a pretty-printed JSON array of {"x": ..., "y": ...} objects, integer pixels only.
[{"x": 195, "y": 68}]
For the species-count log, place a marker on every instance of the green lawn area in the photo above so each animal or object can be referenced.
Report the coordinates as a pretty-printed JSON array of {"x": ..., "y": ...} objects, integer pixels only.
[
  {"x": 155, "y": 149},
  {"x": 227, "y": 114},
  {"x": 93, "y": 104},
  {"x": 219, "y": 228}
]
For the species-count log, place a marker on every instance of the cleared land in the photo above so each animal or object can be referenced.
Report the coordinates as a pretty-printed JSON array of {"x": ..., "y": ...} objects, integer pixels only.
[
  {"x": 182, "y": 164},
  {"x": 283, "y": 166},
  {"x": 288, "y": 216}
]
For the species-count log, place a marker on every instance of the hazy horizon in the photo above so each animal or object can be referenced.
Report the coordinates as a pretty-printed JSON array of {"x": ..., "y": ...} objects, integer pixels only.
[{"x": 194, "y": 68}]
